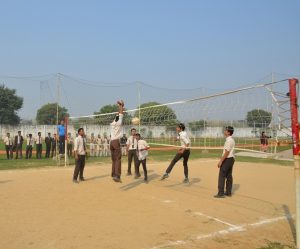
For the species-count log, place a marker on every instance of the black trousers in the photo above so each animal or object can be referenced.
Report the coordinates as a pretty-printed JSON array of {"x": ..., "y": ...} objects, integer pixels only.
[
  {"x": 53, "y": 150},
  {"x": 69, "y": 149},
  {"x": 143, "y": 162},
  {"x": 178, "y": 156},
  {"x": 19, "y": 150},
  {"x": 9, "y": 151},
  {"x": 39, "y": 148},
  {"x": 28, "y": 151},
  {"x": 79, "y": 167},
  {"x": 48, "y": 148},
  {"x": 225, "y": 173},
  {"x": 132, "y": 155},
  {"x": 62, "y": 145}
]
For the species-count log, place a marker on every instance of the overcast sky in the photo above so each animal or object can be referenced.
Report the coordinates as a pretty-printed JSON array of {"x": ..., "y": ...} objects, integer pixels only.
[{"x": 164, "y": 43}]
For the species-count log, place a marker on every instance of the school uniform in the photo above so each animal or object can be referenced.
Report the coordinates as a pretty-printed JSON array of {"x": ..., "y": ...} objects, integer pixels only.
[
  {"x": 80, "y": 149},
  {"x": 48, "y": 141},
  {"x": 18, "y": 145},
  {"x": 184, "y": 139},
  {"x": 116, "y": 132},
  {"x": 70, "y": 146},
  {"x": 39, "y": 147},
  {"x": 225, "y": 172},
  {"x": 132, "y": 154},
  {"x": 29, "y": 145},
  {"x": 53, "y": 146},
  {"x": 142, "y": 154},
  {"x": 8, "y": 141}
]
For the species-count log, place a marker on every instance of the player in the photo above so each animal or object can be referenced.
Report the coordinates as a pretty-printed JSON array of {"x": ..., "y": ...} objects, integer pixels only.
[
  {"x": 18, "y": 144},
  {"x": 264, "y": 142},
  {"x": 92, "y": 145},
  {"x": 184, "y": 152},
  {"x": 48, "y": 145},
  {"x": 142, "y": 152},
  {"x": 132, "y": 153},
  {"x": 226, "y": 164},
  {"x": 70, "y": 143},
  {"x": 39, "y": 146},
  {"x": 115, "y": 147},
  {"x": 61, "y": 133},
  {"x": 80, "y": 155},
  {"x": 99, "y": 146},
  {"x": 30, "y": 142},
  {"x": 8, "y": 146},
  {"x": 123, "y": 141}
]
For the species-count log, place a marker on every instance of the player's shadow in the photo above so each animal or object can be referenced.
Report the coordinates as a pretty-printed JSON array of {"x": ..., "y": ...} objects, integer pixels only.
[
  {"x": 5, "y": 181},
  {"x": 96, "y": 177},
  {"x": 139, "y": 182},
  {"x": 235, "y": 188},
  {"x": 191, "y": 183},
  {"x": 289, "y": 217}
]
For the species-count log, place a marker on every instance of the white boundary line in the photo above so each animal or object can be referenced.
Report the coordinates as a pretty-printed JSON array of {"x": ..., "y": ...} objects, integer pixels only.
[{"x": 231, "y": 229}]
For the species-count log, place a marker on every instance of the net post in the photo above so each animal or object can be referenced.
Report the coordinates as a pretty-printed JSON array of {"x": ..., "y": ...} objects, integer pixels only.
[
  {"x": 66, "y": 140},
  {"x": 295, "y": 137}
]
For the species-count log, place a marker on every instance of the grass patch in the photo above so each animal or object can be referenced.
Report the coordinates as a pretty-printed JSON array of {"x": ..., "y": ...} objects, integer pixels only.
[{"x": 276, "y": 245}]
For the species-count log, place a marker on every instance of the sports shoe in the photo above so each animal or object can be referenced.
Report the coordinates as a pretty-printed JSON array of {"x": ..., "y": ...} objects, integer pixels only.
[
  {"x": 166, "y": 175},
  {"x": 228, "y": 194},
  {"x": 186, "y": 180}
]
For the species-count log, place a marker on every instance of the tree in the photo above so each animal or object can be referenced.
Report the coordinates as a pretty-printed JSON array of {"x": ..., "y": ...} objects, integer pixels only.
[
  {"x": 162, "y": 115},
  {"x": 258, "y": 118},
  {"x": 47, "y": 114},
  {"x": 197, "y": 125},
  {"x": 107, "y": 119},
  {"x": 10, "y": 103}
]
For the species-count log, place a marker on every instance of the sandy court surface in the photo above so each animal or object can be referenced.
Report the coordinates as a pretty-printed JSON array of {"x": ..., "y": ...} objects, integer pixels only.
[{"x": 43, "y": 209}]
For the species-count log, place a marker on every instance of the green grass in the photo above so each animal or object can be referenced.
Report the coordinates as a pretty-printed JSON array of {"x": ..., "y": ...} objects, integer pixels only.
[{"x": 276, "y": 245}]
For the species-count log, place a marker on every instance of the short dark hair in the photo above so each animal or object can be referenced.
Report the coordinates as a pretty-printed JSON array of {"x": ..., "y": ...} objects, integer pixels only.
[
  {"x": 19, "y": 131},
  {"x": 133, "y": 129},
  {"x": 80, "y": 129},
  {"x": 230, "y": 129},
  {"x": 181, "y": 126},
  {"x": 138, "y": 134}
]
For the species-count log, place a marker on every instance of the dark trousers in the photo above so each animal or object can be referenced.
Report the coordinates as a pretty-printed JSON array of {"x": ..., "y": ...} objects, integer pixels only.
[
  {"x": 19, "y": 150},
  {"x": 143, "y": 162},
  {"x": 62, "y": 145},
  {"x": 9, "y": 151},
  {"x": 226, "y": 173},
  {"x": 39, "y": 149},
  {"x": 48, "y": 148},
  {"x": 53, "y": 150},
  {"x": 116, "y": 155},
  {"x": 177, "y": 157},
  {"x": 28, "y": 151},
  {"x": 69, "y": 149},
  {"x": 79, "y": 167},
  {"x": 132, "y": 155}
]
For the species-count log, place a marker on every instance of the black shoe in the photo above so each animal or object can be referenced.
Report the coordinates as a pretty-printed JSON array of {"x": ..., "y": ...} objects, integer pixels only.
[
  {"x": 117, "y": 179},
  {"x": 186, "y": 180},
  {"x": 75, "y": 181},
  {"x": 228, "y": 194},
  {"x": 166, "y": 175},
  {"x": 137, "y": 176},
  {"x": 219, "y": 196},
  {"x": 82, "y": 179},
  {"x": 146, "y": 179},
  {"x": 129, "y": 174}
]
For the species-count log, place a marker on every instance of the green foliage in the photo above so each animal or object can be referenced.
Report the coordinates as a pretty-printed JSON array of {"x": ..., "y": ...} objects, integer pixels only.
[
  {"x": 258, "y": 118},
  {"x": 197, "y": 125},
  {"x": 162, "y": 115},
  {"x": 107, "y": 119},
  {"x": 10, "y": 103},
  {"x": 47, "y": 114}
]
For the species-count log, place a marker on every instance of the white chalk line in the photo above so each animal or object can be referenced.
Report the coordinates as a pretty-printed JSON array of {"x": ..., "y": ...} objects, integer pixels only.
[
  {"x": 216, "y": 219},
  {"x": 231, "y": 229}
]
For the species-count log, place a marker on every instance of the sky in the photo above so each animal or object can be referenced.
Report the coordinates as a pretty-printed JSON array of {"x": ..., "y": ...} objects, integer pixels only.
[{"x": 164, "y": 43}]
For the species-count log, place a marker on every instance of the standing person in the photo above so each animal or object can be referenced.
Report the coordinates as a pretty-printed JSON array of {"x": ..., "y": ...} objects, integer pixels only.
[
  {"x": 105, "y": 142},
  {"x": 123, "y": 141},
  {"x": 132, "y": 153},
  {"x": 70, "y": 143},
  {"x": 226, "y": 164},
  {"x": 53, "y": 145},
  {"x": 18, "y": 145},
  {"x": 142, "y": 152},
  {"x": 39, "y": 146},
  {"x": 80, "y": 154},
  {"x": 115, "y": 147},
  {"x": 8, "y": 146},
  {"x": 264, "y": 142},
  {"x": 99, "y": 146},
  {"x": 61, "y": 133},
  {"x": 29, "y": 145},
  {"x": 48, "y": 141},
  {"x": 92, "y": 145},
  {"x": 184, "y": 152}
]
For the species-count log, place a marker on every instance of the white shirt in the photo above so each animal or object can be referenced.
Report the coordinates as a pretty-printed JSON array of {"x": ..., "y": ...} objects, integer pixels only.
[
  {"x": 131, "y": 143},
  {"x": 8, "y": 141},
  {"x": 116, "y": 130},
  {"x": 184, "y": 139},
  {"x": 38, "y": 140},
  {"x": 229, "y": 146},
  {"x": 142, "y": 144},
  {"x": 30, "y": 141},
  {"x": 80, "y": 145}
]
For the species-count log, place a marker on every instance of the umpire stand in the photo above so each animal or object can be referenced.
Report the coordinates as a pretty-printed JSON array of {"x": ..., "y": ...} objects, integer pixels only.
[
  {"x": 293, "y": 83},
  {"x": 66, "y": 142}
]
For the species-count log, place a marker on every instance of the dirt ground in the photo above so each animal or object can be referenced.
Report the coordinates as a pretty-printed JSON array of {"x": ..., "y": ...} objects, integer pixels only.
[{"x": 43, "y": 209}]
